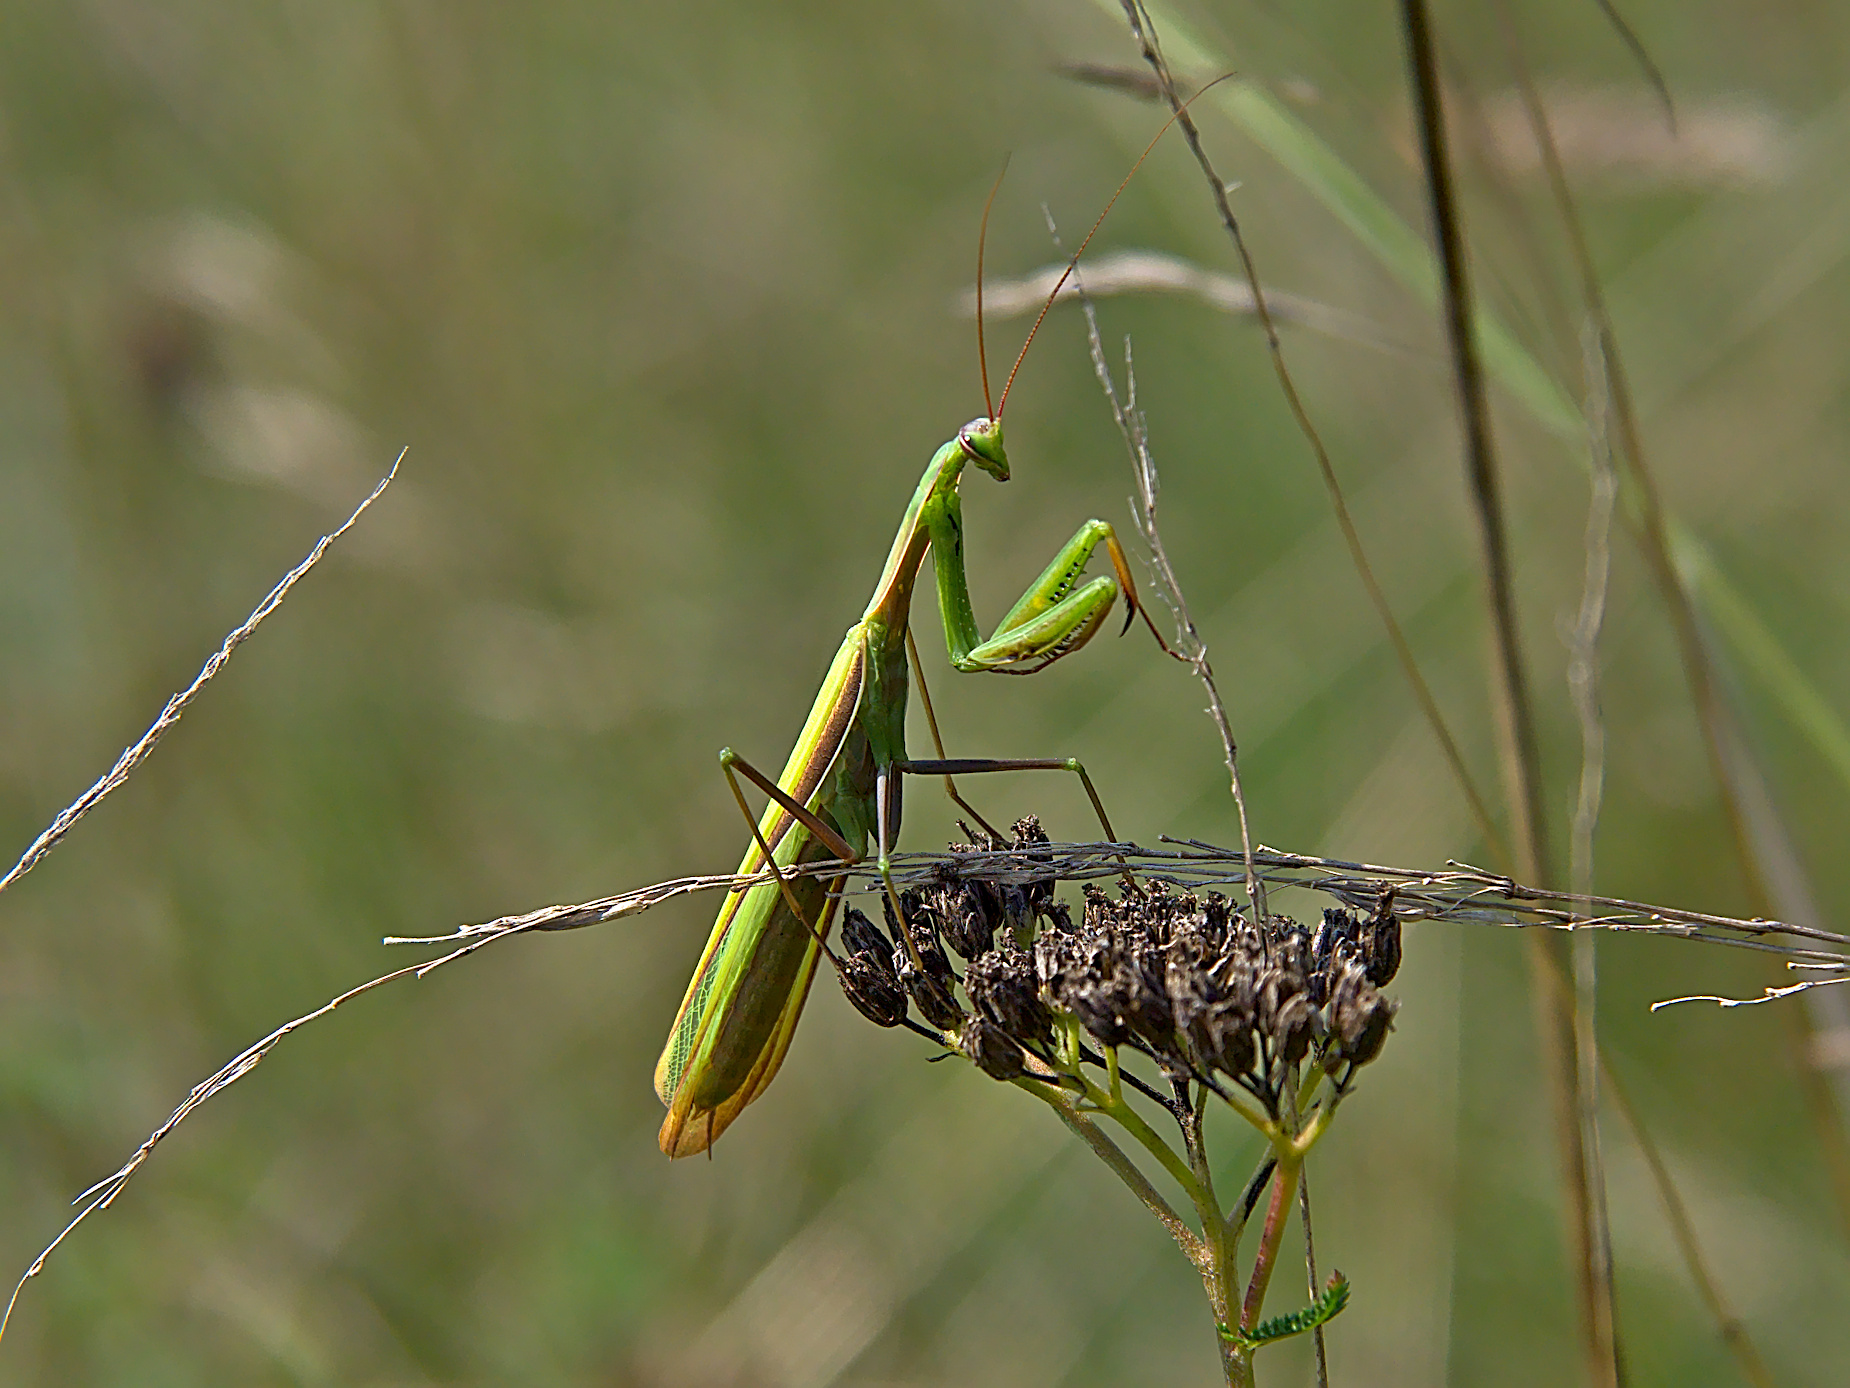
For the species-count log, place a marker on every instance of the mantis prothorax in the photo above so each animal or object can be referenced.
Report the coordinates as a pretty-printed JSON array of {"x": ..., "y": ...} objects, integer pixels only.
[{"x": 841, "y": 787}]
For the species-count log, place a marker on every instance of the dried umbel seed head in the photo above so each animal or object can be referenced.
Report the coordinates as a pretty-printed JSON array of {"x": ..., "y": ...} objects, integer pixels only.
[
  {"x": 868, "y": 978},
  {"x": 1381, "y": 942},
  {"x": 1193, "y": 981},
  {"x": 968, "y": 913},
  {"x": 1215, "y": 1015},
  {"x": 1202, "y": 989},
  {"x": 1360, "y": 1018},
  {"x": 995, "y": 1052},
  {"x": 1003, "y": 988},
  {"x": 1031, "y": 841},
  {"x": 924, "y": 929}
]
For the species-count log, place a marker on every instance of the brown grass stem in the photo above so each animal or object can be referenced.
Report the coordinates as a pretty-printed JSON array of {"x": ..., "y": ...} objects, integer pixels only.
[
  {"x": 1728, "y": 1323},
  {"x": 1713, "y": 716},
  {"x": 1144, "y": 31},
  {"x": 1517, "y": 739},
  {"x": 1583, "y": 680},
  {"x": 1455, "y": 893}
]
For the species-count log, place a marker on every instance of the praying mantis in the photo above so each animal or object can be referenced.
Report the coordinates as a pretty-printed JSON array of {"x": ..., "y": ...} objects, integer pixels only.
[{"x": 841, "y": 786}]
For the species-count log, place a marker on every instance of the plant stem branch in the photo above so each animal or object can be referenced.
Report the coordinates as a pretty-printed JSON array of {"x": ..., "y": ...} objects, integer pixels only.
[
  {"x": 1107, "y": 1151},
  {"x": 1265, "y": 1261}
]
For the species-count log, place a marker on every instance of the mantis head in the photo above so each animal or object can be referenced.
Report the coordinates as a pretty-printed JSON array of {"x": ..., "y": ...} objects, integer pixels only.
[{"x": 981, "y": 441}]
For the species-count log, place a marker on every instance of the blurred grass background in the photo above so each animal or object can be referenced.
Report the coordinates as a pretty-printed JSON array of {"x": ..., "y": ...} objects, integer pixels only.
[{"x": 662, "y": 300}]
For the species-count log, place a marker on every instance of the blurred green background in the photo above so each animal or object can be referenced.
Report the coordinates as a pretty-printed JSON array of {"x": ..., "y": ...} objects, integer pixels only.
[{"x": 663, "y": 302}]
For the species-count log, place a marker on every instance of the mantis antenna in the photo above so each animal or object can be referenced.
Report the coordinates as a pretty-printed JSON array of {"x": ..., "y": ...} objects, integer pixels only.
[
  {"x": 982, "y": 239},
  {"x": 1072, "y": 263}
]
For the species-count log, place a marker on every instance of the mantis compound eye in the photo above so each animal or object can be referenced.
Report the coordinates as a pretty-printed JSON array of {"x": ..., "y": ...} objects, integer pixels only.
[{"x": 981, "y": 441}]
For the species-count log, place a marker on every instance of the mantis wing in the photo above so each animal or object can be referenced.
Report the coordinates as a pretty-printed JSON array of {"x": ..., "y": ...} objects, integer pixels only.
[{"x": 748, "y": 991}]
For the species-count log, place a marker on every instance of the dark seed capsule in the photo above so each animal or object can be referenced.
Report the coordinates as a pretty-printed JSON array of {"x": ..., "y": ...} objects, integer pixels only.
[
  {"x": 873, "y": 989},
  {"x": 1019, "y": 910},
  {"x": 935, "y": 1003},
  {"x": 994, "y": 1052},
  {"x": 1218, "y": 1029},
  {"x": 861, "y": 936},
  {"x": 924, "y": 933},
  {"x": 1144, "y": 997},
  {"x": 1294, "y": 1027},
  {"x": 1292, "y": 952},
  {"x": 1360, "y": 1019},
  {"x": 1058, "y": 947},
  {"x": 968, "y": 913},
  {"x": 1337, "y": 935},
  {"x": 1057, "y": 918},
  {"x": 1276, "y": 986},
  {"x": 1088, "y": 999},
  {"x": 1382, "y": 944},
  {"x": 1224, "y": 1042},
  {"x": 1031, "y": 841},
  {"x": 1002, "y": 987},
  {"x": 868, "y": 979}
]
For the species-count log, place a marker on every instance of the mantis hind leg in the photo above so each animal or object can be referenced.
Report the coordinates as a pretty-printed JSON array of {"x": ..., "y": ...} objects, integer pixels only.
[
  {"x": 931, "y": 721},
  {"x": 977, "y": 766},
  {"x": 734, "y": 766}
]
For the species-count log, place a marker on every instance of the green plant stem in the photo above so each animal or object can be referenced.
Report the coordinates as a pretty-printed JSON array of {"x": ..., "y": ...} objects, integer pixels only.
[
  {"x": 1126, "y": 1117},
  {"x": 1221, "y": 1242},
  {"x": 1212, "y": 1250},
  {"x": 1064, "y": 1104}
]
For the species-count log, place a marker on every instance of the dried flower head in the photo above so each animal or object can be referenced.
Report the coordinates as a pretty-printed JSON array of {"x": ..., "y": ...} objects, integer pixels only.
[
  {"x": 867, "y": 974},
  {"x": 1191, "y": 980},
  {"x": 992, "y": 1049}
]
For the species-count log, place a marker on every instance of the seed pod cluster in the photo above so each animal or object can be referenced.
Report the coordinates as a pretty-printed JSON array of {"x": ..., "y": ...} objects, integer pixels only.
[
  {"x": 984, "y": 924},
  {"x": 867, "y": 977},
  {"x": 1188, "y": 979},
  {"x": 1194, "y": 983}
]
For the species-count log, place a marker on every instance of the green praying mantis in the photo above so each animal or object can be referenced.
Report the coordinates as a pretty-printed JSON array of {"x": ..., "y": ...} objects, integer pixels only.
[{"x": 841, "y": 786}]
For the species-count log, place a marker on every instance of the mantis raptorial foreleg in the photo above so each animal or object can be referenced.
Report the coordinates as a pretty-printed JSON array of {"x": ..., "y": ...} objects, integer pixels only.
[{"x": 1052, "y": 618}]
